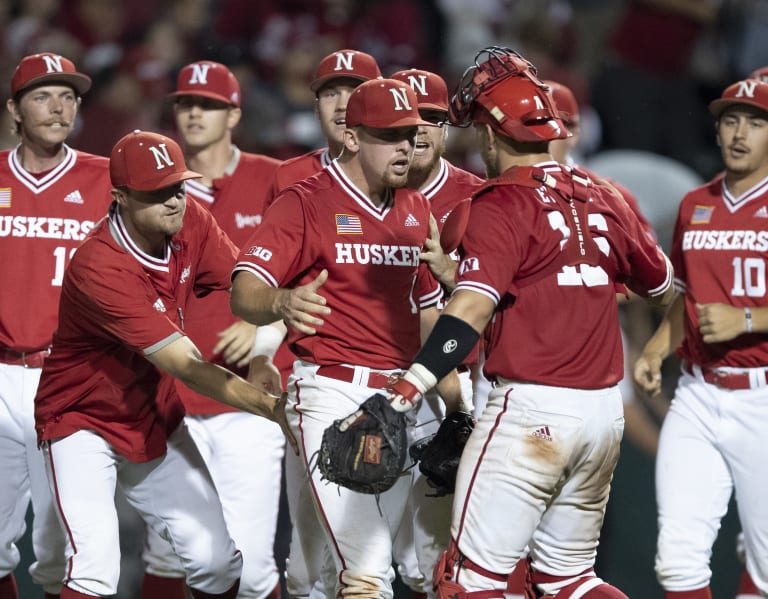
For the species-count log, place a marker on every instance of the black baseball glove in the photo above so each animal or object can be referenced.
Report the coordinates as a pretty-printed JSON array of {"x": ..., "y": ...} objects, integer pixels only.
[
  {"x": 439, "y": 454},
  {"x": 366, "y": 450}
]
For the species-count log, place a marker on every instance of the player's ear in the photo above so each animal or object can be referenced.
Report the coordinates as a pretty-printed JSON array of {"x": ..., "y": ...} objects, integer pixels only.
[
  {"x": 119, "y": 195},
  {"x": 233, "y": 116},
  {"x": 13, "y": 108},
  {"x": 351, "y": 140}
]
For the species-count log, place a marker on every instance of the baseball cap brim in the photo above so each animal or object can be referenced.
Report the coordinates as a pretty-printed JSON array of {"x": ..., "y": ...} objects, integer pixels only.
[
  {"x": 408, "y": 121},
  {"x": 203, "y": 94},
  {"x": 717, "y": 107},
  {"x": 81, "y": 83},
  {"x": 166, "y": 181},
  {"x": 321, "y": 81}
]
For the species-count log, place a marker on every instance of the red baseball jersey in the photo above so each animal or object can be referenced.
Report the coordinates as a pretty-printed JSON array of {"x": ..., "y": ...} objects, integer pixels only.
[
  {"x": 720, "y": 251},
  {"x": 237, "y": 202},
  {"x": 556, "y": 321},
  {"x": 119, "y": 304},
  {"x": 451, "y": 185},
  {"x": 297, "y": 169},
  {"x": 376, "y": 286},
  {"x": 43, "y": 219}
]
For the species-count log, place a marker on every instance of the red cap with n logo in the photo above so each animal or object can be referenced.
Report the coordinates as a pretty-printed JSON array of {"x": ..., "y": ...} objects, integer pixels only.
[
  {"x": 431, "y": 90},
  {"x": 350, "y": 64},
  {"x": 210, "y": 80},
  {"x": 752, "y": 92},
  {"x": 384, "y": 104},
  {"x": 145, "y": 161},
  {"x": 47, "y": 68}
]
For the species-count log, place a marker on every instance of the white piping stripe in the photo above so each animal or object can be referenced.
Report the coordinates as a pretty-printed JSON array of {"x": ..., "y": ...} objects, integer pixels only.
[
  {"x": 354, "y": 192},
  {"x": 35, "y": 184},
  {"x": 734, "y": 203},
  {"x": 480, "y": 288},
  {"x": 199, "y": 191},
  {"x": 257, "y": 271},
  {"x": 141, "y": 256},
  {"x": 430, "y": 190}
]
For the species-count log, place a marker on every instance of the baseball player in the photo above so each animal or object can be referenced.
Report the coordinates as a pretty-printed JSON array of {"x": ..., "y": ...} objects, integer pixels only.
[
  {"x": 107, "y": 411},
  {"x": 337, "y": 257},
  {"x": 233, "y": 188},
  {"x": 50, "y": 197},
  {"x": 336, "y": 77},
  {"x": 424, "y": 533},
  {"x": 711, "y": 442},
  {"x": 761, "y": 74},
  {"x": 543, "y": 251}
]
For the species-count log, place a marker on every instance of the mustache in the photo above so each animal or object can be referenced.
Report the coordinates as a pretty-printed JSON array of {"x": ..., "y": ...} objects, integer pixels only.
[{"x": 61, "y": 122}]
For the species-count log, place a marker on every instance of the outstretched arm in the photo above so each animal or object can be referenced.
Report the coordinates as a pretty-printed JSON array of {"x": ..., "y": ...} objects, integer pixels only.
[{"x": 256, "y": 302}]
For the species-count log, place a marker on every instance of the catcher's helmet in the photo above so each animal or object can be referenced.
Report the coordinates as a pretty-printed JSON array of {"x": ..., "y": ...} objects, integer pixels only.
[{"x": 502, "y": 90}]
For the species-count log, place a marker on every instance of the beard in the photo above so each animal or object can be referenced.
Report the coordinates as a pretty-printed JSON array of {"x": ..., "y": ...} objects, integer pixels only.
[{"x": 395, "y": 181}]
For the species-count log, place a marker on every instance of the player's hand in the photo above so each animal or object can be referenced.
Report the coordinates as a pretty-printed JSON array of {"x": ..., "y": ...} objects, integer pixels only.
[
  {"x": 442, "y": 266},
  {"x": 235, "y": 343},
  {"x": 647, "y": 373},
  {"x": 303, "y": 307},
  {"x": 263, "y": 374},
  {"x": 280, "y": 416},
  {"x": 720, "y": 322}
]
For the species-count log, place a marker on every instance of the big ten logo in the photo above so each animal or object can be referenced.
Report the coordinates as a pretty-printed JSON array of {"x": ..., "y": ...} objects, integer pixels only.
[{"x": 259, "y": 252}]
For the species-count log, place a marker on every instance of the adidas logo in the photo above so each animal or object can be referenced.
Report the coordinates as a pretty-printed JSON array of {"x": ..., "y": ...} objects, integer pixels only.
[
  {"x": 542, "y": 433},
  {"x": 762, "y": 213},
  {"x": 74, "y": 197},
  {"x": 159, "y": 305},
  {"x": 411, "y": 221}
]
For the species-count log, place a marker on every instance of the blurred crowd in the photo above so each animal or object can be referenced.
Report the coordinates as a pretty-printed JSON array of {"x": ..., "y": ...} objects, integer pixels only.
[{"x": 643, "y": 70}]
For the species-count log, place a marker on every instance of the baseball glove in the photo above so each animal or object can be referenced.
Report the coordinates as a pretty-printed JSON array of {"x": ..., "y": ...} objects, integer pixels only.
[
  {"x": 365, "y": 451},
  {"x": 439, "y": 454}
]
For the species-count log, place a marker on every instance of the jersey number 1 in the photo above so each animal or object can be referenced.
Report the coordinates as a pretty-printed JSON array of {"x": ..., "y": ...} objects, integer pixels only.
[{"x": 61, "y": 255}]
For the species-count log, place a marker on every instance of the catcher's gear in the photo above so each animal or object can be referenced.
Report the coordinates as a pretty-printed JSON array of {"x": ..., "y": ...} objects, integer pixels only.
[
  {"x": 365, "y": 451},
  {"x": 502, "y": 90},
  {"x": 439, "y": 454}
]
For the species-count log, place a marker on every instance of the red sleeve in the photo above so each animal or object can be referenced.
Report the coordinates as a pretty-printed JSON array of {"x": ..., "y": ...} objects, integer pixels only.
[
  {"x": 119, "y": 303},
  {"x": 217, "y": 253}
]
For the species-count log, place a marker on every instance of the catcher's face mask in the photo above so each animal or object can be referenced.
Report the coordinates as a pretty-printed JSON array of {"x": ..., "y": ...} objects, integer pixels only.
[{"x": 502, "y": 90}]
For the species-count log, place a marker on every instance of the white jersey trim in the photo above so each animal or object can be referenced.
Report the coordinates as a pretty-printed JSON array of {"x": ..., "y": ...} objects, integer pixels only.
[
  {"x": 431, "y": 298},
  {"x": 325, "y": 158},
  {"x": 480, "y": 288},
  {"x": 667, "y": 281},
  {"x": 256, "y": 271},
  {"x": 200, "y": 192},
  {"x": 120, "y": 233},
  {"x": 432, "y": 188},
  {"x": 148, "y": 351},
  {"x": 378, "y": 212},
  {"x": 733, "y": 203},
  {"x": 39, "y": 184}
]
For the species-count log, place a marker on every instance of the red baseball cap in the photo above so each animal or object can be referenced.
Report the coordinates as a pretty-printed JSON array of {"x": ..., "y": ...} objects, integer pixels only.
[
  {"x": 565, "y": 102},
  {"x": 752, "y": 92},
  {"x": 145, "y": 161},
  {"x": 761, "y": 74},
  {"x": 345, "y": 63},
  {"x": 209, "y": 80},
  {"x": 431, "y": 90},
  {"x": 384, "y": 104},
  {"x": 47, "y": 68}
]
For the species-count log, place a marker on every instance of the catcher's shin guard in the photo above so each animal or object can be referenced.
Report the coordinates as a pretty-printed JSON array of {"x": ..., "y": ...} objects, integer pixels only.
[
  {"x": 584, "y": 586},
  {"x": 447, "y": 588}
]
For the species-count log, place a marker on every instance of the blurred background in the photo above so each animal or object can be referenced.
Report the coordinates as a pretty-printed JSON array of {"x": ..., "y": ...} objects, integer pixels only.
[{"x": 643, "y": 72}]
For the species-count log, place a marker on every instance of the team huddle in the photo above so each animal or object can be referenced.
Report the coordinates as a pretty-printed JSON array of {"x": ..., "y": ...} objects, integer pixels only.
[{"x": 202, "y": 321}]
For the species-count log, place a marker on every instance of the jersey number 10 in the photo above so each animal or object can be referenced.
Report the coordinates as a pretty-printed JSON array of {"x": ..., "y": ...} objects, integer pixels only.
[{"x": 748, "y": 277}]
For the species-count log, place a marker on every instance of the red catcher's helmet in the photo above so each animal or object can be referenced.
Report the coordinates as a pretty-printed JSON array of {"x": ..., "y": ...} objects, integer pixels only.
[{"x": 503, "y": 91}]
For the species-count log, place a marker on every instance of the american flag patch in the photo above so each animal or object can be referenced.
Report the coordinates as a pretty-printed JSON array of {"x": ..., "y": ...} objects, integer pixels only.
[
  {"x": 348, "y": 224},
  {"x": 702, "y": 215},
  {"x": 5, "y": 197}
]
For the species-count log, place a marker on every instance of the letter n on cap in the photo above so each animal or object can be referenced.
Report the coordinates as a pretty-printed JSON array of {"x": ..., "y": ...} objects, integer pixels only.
[
  {"x": 52, "y": 63},
  {"x": 747, "y": 88},
  {"x": 162, "y": 159},
  {"x": 401, "y": 98},
  {"x": 200, "y": 74}
]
